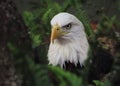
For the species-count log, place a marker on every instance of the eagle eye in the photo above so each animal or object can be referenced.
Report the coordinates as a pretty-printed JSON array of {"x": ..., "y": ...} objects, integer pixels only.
[{"x": 68, "y": 26}]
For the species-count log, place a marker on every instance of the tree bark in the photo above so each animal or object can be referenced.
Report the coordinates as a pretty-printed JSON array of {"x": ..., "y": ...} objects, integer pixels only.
[{"x": 12, "y": 31}]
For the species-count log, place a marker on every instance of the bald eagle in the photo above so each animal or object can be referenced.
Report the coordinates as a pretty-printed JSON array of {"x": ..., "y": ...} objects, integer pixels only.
[
  {"x": 69, "y": 48},
  {"x": 69, "y": 45}
]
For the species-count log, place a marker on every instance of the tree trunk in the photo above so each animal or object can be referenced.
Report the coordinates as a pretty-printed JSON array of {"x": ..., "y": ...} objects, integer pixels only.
[
  {"x": 13, "y": 32},
  {"x": 7, "y": 70}
]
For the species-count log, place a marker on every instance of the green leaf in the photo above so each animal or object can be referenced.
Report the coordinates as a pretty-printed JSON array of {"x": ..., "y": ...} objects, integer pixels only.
[
  {"x": 36, "y": 40},
  {"x": 98, "y": 83},
  {"x": 28, "y": 17},
  {"x": 46, "y": 15},
  {"x": 66, "y": 77}
]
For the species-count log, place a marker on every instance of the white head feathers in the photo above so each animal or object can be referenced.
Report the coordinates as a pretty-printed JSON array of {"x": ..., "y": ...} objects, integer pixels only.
[{"x": 72, "y": 46}]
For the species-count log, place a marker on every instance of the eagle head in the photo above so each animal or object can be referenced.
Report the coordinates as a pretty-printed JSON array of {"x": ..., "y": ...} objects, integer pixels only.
[{"x": 68, "y": 40}]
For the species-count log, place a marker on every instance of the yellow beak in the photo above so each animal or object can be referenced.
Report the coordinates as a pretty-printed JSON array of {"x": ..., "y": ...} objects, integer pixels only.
[{"x": 56, "y": 32}]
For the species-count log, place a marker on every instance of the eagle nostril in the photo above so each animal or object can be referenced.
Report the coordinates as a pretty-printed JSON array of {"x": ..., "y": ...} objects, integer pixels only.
[{"x": 57, "y": 29}]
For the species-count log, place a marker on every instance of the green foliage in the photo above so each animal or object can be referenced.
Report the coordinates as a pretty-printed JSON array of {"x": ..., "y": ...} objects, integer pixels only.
[
  {"x": 33, "y": 28},
  {"x": 66, "y": 78},
  {"x": 100, "y": 83},
  {"x": 38, "y": 22},
  {"x": 39, "y": 73}
]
